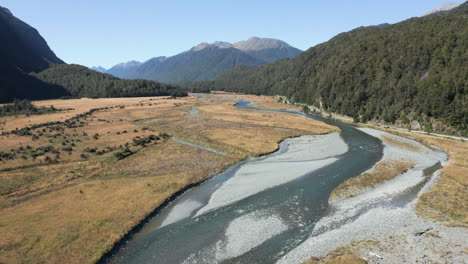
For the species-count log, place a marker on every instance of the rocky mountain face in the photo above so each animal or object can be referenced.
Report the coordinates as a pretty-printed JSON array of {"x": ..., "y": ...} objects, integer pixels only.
[
  {"x": 207, "y": 61},
  {"x": 268, "y": 50},
  {"x": 443, "y": 8}
]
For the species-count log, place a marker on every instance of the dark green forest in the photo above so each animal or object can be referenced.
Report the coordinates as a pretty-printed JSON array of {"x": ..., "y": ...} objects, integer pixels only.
[
  {"x": 16, "y": 84},
  {"x": 413, "y": 70},
  {"x": 82, "y": 82},
  {"x": 24, "y": 107}
]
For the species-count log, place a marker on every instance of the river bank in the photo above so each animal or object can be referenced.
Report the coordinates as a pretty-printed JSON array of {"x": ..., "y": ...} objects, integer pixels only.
[
  {"x": 216, "y": 222},
  {"x": 292, "y": 205},
  {"x": 381, "y": 224}
]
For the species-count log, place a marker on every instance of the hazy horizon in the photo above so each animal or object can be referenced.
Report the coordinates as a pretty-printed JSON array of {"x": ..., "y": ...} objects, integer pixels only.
[{"x": 94, "y": 33}]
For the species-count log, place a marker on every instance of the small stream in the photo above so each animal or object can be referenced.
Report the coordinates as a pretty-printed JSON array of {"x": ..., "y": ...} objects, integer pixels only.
[
  {"x": 260, "y": 228},
  {"x": 197, "y": 146}
]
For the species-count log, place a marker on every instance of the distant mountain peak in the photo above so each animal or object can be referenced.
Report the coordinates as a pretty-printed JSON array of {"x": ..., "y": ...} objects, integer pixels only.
[
  {"x": 127, "y": 64},
  {"x": 256, "y": 43},
  {"x": 158, "y": 59},
  {"x": 222, "y": 44},
  {"x": 98, "y": 68},
  {"x": 200, "y": 46},
  {"x": 218, "y": 44},
  {"x": 207, "y": 61},
  {"x": 443, "y": 7}
]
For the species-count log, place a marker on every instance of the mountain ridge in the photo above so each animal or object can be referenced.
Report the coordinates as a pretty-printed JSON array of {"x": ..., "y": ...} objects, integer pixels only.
[
  {"x": 122, "y": 68},
  {"x": 206, "y": 61}
]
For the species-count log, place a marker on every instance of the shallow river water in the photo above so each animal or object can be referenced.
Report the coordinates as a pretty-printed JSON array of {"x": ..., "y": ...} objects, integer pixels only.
[{"x": 234, "y": 218}]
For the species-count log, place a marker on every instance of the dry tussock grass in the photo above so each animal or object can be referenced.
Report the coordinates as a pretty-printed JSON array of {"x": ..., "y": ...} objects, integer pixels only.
[
  {"x": 268, "y": 119},
  {"x": 401, "y": 143},
  {"x": 254, "y": 140},
  {"x": 77, "y": 106},
  {"x": 244, "y": 132},
  {"x": 73, "y": 211},
  {"x": 447, "y": 200},
  {"x": 261, "y": 101},
  {"x": 79, "y": 220},
  {"x": 383, "y": 171},
  {"x": 344, "y": 255}
]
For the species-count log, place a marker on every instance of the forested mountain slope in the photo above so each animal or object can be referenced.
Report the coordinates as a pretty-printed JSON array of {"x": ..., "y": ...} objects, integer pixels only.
[
  {"x": 29, "y": 69},
  {"x": 194, "y": 65},
  {"x": 415, "y": 70},
  {"x": 83, "y": 82}
]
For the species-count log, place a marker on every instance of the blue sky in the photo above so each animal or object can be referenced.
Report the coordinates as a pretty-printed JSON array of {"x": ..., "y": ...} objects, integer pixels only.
[{"x": 105, "y": 32}]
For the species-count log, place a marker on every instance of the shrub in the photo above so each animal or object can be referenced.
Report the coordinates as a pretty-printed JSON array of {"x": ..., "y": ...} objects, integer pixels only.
[{"x": 122, "y": 153}]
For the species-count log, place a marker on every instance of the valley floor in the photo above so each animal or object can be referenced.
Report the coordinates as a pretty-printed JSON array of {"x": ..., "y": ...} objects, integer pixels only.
[{"x": 74, "y": 182}]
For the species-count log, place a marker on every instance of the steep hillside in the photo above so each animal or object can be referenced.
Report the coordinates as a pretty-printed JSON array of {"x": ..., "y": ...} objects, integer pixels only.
[
  {"x": 83, "y": 82},
  {"x": 22, "y": 46},
  {"x": 415, "y": 70},
  {"x": 14, "y": 83},
  {"x": 23, "y": 50}
]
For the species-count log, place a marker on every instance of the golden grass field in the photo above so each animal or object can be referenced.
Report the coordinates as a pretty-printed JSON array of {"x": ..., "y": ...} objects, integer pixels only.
[
  {"x": 70, "y": 204},
  {"x": 383, "y": 171},
  {"x": 447, "y": 200}
]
